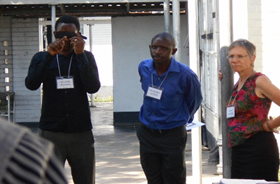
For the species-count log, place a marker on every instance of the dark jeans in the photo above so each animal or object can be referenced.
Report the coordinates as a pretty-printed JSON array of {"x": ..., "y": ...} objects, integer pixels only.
[
  {"x": 162, "y": 155},
  {"x": 78, "y": 150}
]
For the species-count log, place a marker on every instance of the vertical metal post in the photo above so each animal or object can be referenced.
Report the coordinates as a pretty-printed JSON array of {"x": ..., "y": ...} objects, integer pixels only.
[
  {"x": 8, "y": 98},
  {"x": 225, "y": 86},
  {"x": 90, "y": 49},
  {"x": 194, "y": 65},
  {"x": 41, "y": 37},
  {"x": 225, "y": 91},
  {"x": 90, "y": 37},
  {"x": 176, "y": 27},
  {"x": 166, "y": 8},
  {"x": 53, "y": 18}
]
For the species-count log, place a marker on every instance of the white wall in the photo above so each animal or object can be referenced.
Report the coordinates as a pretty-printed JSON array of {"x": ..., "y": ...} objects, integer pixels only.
[
  {"x": 101, "y": 48},
  {"x": 270, "y": 44},
  {"x": 255, "y": 20},
  {"x": 25, "y": 43},
  {"x": 131, "y": 37}
]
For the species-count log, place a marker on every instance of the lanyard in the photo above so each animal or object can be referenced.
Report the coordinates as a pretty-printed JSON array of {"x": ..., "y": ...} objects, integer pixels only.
[
  {"x": 58, "y": 67},
  {"x": 161, "y": 82},
  {"x": 239, "y": 90}
]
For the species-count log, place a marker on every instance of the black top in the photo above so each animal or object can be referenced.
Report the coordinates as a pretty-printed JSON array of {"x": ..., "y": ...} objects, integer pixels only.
[{"x": 64, "y": 110}]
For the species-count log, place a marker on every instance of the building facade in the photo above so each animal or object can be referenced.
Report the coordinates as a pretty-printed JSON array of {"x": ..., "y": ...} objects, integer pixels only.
[{"x": 132, "y": 23}]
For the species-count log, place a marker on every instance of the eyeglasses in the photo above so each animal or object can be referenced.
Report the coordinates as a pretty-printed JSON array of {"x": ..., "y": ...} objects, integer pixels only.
[
  {"x": 61, "y": 34},
  {"x": 231, "y": 57}
]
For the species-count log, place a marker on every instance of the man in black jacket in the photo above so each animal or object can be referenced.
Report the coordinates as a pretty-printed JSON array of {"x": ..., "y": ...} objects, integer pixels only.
[{"x": 67, "y": 73}]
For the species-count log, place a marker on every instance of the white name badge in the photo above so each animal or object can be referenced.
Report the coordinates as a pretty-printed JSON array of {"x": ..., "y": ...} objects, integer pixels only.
[
  {"x": 230, "y": 112},
  {"x": 64, "y": 83},
  {"x": 154, "y": 93}
]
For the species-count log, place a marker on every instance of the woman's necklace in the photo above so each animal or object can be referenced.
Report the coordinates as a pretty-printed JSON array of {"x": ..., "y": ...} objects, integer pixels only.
[
  {"x": 242, "y": 84},
  {"x": 232, "y": 102}
]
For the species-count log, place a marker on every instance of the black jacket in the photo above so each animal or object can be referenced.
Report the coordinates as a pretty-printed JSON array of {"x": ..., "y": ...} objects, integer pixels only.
[{"x": 64, "y": 110}]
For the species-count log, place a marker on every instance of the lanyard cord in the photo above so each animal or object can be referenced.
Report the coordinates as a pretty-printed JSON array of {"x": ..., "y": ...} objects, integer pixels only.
[
  {"x": 58, "y": 67},
  {"x": 161, "y": 82},
  {"x": 239, "y": 90}
]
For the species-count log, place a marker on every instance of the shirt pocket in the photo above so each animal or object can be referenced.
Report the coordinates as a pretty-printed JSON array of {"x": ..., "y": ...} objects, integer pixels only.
[{"x": 171, "y": 99}]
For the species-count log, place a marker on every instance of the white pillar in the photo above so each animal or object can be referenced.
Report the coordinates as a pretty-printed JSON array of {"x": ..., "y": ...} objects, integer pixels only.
[
  {"x": 176, "y": 27},
  {"x": 53, "y": 17},
  {"x": 194, "y": 65},
  {"x": 90, "y": 49},
  {"x": 166, "y": 7},
  {"x": 41, "y": 37}
]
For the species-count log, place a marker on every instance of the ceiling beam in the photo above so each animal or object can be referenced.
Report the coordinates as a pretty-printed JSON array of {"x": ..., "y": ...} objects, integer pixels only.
[{"x": 54, "y": 2}]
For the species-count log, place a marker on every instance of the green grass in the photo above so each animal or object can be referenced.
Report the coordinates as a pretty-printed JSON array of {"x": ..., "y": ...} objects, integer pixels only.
[{"x": 110, "y": 99}]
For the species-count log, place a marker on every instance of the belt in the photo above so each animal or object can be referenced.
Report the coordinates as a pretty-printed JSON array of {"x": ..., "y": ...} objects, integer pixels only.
[{"x": 156, "y": 131}]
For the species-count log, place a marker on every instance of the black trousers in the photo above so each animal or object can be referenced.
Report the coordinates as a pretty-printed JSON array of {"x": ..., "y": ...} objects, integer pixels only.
[
  {"x": 257, "y": 158},
  {"x": 162, "y": 155},
  {"x": 78, "y": 150}
]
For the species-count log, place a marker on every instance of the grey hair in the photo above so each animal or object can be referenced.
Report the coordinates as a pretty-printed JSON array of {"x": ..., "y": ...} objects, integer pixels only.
[{"x": 245, "y": 44}]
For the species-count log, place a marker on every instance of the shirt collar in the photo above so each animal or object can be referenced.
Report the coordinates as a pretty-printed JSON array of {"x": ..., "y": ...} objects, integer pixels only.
[{"x": 173, "y": 67}]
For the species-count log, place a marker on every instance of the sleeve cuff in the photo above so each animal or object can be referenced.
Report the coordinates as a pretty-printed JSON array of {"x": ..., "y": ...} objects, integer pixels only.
[{"x": 81, "y": 57}]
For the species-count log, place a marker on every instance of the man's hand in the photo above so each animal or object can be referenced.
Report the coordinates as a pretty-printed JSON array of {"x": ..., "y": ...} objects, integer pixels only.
[
  {"x": 57, "y": 46},
  {"x": 78, "y": 43}
]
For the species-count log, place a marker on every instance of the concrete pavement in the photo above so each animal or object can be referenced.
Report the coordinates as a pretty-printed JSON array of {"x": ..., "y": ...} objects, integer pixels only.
[{"x": 117, "y": 152}]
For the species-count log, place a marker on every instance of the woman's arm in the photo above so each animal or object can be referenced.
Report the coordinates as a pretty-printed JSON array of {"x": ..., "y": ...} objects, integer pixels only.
[{"x": 265, "y": 89}]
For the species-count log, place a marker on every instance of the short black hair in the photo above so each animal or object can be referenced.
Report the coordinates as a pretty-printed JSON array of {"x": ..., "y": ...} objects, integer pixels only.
[
  {"x": 165, "y": 35},
  {"x": 69, "y": 20}
]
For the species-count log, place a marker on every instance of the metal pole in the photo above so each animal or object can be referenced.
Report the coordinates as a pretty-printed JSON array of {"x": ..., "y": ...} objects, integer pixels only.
[
  {"x": 194, "y": 65},
  {"x": 8, "y": 98},
  {"x": 166, "y": 16},
  {"x": 53, "y": 17},
  {"x": 225, "y": 86},
  {"x": 90, "y": 37},
  {"x": 176, "y": 27},
  {"x": 90, "y": 49},
  {"x": 41, "y": 37}
]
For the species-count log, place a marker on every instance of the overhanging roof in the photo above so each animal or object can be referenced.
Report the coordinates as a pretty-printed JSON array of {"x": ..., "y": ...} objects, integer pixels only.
[
  {"x": 83, "y": 8},
  {"x": 20, "y": 2}
]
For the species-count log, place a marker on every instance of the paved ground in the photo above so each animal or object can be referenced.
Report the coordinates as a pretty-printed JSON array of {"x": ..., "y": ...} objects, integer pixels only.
[{"x": 117, "y": 154}]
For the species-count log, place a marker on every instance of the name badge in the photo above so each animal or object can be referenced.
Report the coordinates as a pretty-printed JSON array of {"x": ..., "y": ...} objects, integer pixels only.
[
  {"x": 154, "y": 92},
  {"x": 230, "y": 112},
  {"x": 64, "y": 82}
]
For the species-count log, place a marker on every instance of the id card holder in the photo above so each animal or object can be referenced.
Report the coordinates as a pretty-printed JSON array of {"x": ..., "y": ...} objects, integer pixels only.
[
  {"x": 154, "y": 92},
  {"x": 65, "y": 82},
  {"x": 230, "y": 111}
]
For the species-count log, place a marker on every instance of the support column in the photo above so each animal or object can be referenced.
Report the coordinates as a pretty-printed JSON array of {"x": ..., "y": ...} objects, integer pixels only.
[
  {"x": 225, "y": 86},
  {"x": 194, "y": 65},
  {"x": 176, "y": 27},
  {"x": 53, "y": 19},
  {"x": 166, "y": 16},
  {"x": 90, "y": 49}
]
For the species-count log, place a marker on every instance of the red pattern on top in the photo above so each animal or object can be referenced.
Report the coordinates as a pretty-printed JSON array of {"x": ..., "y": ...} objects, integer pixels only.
[{"x": 251, "y": 112}]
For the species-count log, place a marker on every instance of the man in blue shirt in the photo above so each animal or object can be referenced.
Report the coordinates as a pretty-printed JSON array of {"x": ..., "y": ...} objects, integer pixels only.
[{"x": 172, "y": 95}]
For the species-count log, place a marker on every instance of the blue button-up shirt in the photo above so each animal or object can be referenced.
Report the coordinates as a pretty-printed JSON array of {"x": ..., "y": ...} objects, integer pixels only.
[{"x": 181, "y": 95}]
